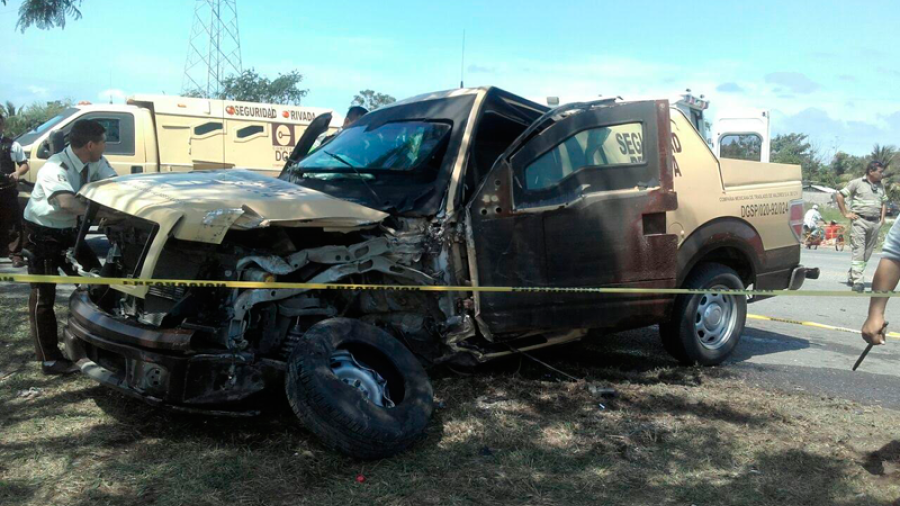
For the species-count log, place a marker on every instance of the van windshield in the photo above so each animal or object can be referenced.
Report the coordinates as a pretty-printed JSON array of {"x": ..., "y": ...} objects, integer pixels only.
[
  {"x": 395, "y": 148},
  {"x": 28, "y": 138}
]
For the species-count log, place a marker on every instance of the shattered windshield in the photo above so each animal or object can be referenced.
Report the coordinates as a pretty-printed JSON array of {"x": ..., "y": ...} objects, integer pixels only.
[{"x": 397, "y": 147}]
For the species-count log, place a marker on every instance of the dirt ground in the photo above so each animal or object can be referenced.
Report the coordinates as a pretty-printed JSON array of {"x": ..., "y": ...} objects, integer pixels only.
[{"x": 509, "y": 433}]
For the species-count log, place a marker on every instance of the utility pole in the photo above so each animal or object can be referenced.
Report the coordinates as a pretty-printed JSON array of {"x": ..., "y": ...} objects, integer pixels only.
[{"x": 214, "y": 47}]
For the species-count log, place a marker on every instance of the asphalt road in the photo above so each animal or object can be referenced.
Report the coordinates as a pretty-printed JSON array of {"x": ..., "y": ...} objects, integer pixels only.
[
  {"x": 771, "y": 354},
  {"x": 793, "y": 357}
]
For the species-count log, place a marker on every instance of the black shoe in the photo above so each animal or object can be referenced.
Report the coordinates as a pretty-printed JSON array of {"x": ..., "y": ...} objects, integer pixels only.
[
  {"x": 859, "y": 287},
  {"x": 59, "y": 367}
]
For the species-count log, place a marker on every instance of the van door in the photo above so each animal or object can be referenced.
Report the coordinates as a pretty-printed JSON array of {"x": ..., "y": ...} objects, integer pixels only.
[
  {"x": 742, "y": 135},
  {"x": 580, "y": 204}
]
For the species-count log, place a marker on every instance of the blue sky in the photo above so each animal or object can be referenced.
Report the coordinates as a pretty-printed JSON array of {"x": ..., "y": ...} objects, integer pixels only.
[{"x": 826, "y": 68}]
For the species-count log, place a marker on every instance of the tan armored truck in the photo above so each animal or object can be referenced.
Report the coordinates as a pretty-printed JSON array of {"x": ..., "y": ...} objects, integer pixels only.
[
  {"x": 471, "y": 187},
  {"x": 162, "y": 133}
]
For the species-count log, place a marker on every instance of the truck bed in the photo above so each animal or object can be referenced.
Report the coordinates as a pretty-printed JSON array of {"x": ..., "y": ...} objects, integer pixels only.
[{"x": 742, "y": 173}]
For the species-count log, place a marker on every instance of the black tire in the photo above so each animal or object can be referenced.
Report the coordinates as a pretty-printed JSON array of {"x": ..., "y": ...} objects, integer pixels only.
[
  {"x": 341, "y": 415},
  {"x": 680, "y": 335}
]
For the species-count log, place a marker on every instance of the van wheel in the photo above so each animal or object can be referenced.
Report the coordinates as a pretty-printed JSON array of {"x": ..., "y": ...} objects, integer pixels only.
[
  {"x": 358, "y": 389},
  {"x": 705, "y": 328}
]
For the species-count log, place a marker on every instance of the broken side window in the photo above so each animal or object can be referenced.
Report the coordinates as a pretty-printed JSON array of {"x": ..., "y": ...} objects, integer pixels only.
[{"x": 614, "y": 153}]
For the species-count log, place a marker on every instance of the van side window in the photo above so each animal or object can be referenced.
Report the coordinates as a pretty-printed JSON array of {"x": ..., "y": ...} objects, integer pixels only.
[
  {"x": 614, "y": 156},
  {"x": 119, "y": 131},
  {"x": 741, "y": 147},
  {"x": 207, "y": 128},
  {"x": 247, "y": 131}
]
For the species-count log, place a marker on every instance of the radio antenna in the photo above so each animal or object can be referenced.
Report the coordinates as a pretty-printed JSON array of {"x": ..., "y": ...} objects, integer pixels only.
[{"x": 462, "y": 65}]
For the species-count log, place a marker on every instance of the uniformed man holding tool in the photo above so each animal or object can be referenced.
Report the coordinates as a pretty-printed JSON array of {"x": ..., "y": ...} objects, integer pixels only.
[{"x": 51, "y": 220}]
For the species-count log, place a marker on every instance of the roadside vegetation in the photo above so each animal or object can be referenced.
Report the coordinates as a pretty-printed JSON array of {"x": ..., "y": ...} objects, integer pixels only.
[{"x": 511, "y": 433}]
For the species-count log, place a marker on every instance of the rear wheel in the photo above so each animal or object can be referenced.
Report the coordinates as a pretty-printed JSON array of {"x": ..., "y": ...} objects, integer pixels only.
[
  {"x": 358, "y": 389},
  {"x": 705, "y": 328}
]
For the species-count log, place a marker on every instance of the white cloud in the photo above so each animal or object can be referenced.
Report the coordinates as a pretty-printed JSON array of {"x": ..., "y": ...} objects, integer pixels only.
[
  {"x": 794, "y": 81},
  {"x": 112, "y": 95},
  {"x": 38, "y": 90}
]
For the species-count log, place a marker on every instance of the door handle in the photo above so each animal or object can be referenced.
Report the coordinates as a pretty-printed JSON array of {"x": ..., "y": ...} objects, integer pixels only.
[{"x": 654, "y": 223}]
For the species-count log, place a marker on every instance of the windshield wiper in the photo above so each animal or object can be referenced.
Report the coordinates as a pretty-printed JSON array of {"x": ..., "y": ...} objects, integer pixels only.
[
  {"x": 340, "y": 159},
  {"x": 361, "y": 178}
]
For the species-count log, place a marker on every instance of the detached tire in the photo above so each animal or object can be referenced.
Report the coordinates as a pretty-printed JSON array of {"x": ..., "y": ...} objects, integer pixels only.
[
  {"x": 706, "y": 328},
  {"x": 335, "y": 377}
]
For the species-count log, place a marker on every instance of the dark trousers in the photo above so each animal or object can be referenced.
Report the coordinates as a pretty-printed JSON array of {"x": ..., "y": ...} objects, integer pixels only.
[
  {"x": 48, "y": 249},
  {"x": 11, "y": 236}
]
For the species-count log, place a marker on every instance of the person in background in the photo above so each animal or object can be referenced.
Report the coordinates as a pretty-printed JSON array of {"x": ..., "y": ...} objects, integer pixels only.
[
  {"x": 867, "y": 209},
  {"x": 812, "y": 218},
  {"x": 13, "y": 165},
  {"x": 353, "y": 114}
]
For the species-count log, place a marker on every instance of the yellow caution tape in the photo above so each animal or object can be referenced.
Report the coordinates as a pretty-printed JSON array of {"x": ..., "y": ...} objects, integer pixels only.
[
  {"x": 893, "y": 335},
  {"x": 181, "y": 283}
]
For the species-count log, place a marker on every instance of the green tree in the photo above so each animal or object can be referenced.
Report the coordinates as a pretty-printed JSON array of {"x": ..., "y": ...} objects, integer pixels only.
[
  {"x": 9, "y": 109},
  {"x": 46, "y": 14},
  {"x": 841, "y": 164},
  {"x": 884, "y": 154},
  {"x": 742, "y": 147},
  {"x": 372, "y": 100},
  {"x": 34, "y": 115},
  {"x": 252, "y": 87},
  {"x": 795, "y": 148}
]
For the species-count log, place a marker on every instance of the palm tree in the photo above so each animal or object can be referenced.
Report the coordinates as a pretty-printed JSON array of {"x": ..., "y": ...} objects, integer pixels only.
[
  {"x": 884, "y": 154},
  {"x": 9, "y": 109}
]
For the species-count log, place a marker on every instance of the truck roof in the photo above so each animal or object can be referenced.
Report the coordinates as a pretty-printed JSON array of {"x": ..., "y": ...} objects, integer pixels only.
[{"x": 232, "y": 109}]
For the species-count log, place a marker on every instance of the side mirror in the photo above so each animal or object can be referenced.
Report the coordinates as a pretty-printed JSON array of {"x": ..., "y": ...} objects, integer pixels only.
[
  {"x": 57, "y": 142},
  {"x": 43, "y": 151}
]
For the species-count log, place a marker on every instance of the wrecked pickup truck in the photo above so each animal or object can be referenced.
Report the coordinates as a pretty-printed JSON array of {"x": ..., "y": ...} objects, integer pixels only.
[{"x": 471, "y": 187}]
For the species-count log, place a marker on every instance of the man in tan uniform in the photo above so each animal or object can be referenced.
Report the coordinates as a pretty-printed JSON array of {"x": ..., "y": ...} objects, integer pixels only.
[{"x": 868, "y": 206}]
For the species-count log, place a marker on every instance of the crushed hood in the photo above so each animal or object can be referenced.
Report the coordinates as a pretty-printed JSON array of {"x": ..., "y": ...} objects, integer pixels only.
[{"x": 204, "y": 205}]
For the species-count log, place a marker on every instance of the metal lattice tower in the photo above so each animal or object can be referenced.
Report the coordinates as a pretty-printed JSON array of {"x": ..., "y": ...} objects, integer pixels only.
[{"x": 214, "y": 49}]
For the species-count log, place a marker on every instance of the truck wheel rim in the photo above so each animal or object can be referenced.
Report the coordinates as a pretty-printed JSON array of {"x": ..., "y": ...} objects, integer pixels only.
[
  {"x": 715, "y": 318},
  {"x": 361, "y": 377}
]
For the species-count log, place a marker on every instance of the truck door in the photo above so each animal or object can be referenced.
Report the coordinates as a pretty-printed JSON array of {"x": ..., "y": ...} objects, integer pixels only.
[
  {"x": 742, "y": 135},
  {"x": 580, "y": 204},
  {"x": 124, "y": 151}
]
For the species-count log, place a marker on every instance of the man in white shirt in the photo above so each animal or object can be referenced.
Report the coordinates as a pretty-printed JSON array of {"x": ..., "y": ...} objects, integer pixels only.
[
  {"x": 812, "y": 218},
  {"x": 51, "y": 218},
  {"x": 13, "y": 165}
]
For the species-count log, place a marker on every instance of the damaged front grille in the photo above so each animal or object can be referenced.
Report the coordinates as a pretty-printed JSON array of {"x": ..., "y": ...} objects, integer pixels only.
[{"x": 168, "y": 292}]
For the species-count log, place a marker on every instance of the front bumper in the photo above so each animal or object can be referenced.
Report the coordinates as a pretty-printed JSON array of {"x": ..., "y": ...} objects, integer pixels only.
[{"x": 160, "y": 366}]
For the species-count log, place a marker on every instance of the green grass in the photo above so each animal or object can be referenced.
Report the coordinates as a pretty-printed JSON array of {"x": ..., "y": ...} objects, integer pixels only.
[{"x": 508, "y": 434}]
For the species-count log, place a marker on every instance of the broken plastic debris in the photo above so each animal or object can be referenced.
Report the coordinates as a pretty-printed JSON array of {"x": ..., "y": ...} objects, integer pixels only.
[
  {"x": 602, "y": 391},
  {"x": 360, "y": 478},
  {"x": 30, "y": 393}
]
